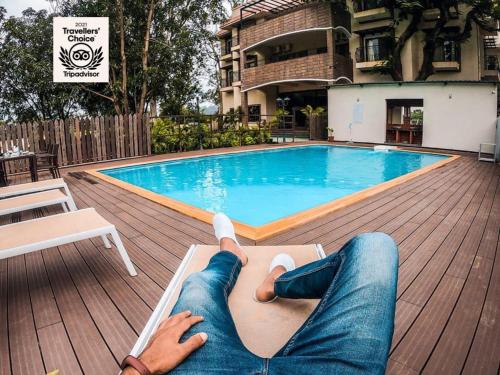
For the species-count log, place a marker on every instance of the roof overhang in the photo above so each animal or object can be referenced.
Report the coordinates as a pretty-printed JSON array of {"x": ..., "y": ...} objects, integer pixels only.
[{"x": 271, "y": 6}]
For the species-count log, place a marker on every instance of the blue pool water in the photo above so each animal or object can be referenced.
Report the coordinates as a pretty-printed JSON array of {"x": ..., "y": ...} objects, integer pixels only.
[{"x": 259, "y": 187}]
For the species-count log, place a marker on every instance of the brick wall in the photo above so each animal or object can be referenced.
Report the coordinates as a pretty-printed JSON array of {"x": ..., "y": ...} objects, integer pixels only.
[
  {"x": 314, "y": 66},
  {"x": 311, "y": 16}
]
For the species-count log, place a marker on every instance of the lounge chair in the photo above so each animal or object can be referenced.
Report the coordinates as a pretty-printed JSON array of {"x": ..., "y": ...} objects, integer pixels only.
[
  {"x": 36, "y": 200},
  {"x": 39, "y": 186},
  {"x": 263, "y": 328},
  {"x": 38, "y": 234}
]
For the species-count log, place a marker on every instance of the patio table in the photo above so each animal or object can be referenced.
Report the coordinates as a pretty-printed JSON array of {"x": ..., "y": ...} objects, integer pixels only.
[{"x": 30, "y": 156}]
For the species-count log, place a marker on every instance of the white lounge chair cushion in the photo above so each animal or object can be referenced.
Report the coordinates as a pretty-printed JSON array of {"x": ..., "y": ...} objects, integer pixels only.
[
  {"x": 63, "y": 227},
  {"x": 31, "y": 187},
  {"x": 25, "y": 202}
]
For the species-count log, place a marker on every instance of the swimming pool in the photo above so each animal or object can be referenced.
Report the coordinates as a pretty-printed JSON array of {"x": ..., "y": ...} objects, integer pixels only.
[{"x": 257, "y": 188}]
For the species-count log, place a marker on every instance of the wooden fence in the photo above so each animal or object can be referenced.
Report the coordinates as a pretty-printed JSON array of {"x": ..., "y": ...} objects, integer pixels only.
[{"x": 81, "y": 140}]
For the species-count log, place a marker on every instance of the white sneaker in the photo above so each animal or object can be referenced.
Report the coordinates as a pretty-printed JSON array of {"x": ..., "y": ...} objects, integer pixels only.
[
  {"x": 224, "y": 228},
  {"x": 284, "y": 260},
  {"x": 281, "y": 259}
]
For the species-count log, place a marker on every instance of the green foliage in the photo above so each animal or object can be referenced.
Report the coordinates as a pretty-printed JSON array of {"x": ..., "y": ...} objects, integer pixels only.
[
  {"x": 170, "y": 136},
  {"x": 311, "y": 112},
  {"x": 26, "y": 90}
]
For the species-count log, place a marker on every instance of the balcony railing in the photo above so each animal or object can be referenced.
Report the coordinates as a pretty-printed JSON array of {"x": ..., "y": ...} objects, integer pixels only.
[
  {"x": 226, "y": 82},
  {"x": 449, "y": 52},
  {"x": 225, "y": 46},
  {"x": 372, "y": 53},
  {"x": 231, "y": 76},
  {"x": 362, "y": 5},
  {"x": 251, "y": 63}
]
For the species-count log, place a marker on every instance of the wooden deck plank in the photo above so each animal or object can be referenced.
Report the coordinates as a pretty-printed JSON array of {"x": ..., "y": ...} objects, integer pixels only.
[
  {"x": 421, "y": 288},
  {"x": 130, "y": 305},
  {"x": 25, "y": 354},
  {"x": 484, "y": 354},
  {"x": 414, "y": 350},
  {"x": 446, "y": 223},
  {"x": 93, "y": 354},
  {"x": 113, "y": 327},
  {"x": 452, "y": 349},
  {"x": 4, "y": 322},
  {"x": 45, "y": 311},
  {"x": 57, "y": 351}
]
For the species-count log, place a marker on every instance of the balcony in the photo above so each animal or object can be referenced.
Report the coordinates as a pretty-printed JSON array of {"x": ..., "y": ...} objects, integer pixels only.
[
  {"x": 232, "y": 79},
  {"x": 447, "y": 57},
  {"x": 370, "y": 10},
  {"x": 313, "y": 67},
  {"x": 225, "y": 49},
  {"x": 310, "y": 17},
  {"x": 371, "y": 57}
]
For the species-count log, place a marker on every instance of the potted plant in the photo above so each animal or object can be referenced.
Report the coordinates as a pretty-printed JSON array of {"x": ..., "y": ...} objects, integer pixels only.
[{"x": 331, "y": 138}]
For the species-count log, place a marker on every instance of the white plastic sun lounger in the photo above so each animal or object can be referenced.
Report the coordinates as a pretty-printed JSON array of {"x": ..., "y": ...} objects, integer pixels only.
[
  {"x": 263, "y": 328},
  {"x": 38, "y": 234},
  {"x": 36, "y": 187},
  {"x": 36, "y": 200}
]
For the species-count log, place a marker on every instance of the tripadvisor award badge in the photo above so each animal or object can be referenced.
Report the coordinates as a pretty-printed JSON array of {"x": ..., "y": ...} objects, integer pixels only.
[{"x": 81, "y": 52}]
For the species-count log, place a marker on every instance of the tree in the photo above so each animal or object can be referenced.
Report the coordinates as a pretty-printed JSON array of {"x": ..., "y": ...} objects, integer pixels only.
[
  {"x": 410, "y": 13},
  {"x": 157, "y": 50},
  {"x": 26, "y": 90}
]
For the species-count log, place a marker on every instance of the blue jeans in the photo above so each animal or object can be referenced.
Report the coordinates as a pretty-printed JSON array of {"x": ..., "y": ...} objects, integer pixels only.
[{"x": 349, "y": 332}]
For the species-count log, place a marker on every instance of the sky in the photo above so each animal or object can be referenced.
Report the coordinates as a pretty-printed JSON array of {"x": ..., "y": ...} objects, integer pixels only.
[{"x": 15, "y": 7}]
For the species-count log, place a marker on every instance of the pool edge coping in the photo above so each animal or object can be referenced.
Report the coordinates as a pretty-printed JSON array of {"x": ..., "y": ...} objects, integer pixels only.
[{"x": 258, "y": 233}]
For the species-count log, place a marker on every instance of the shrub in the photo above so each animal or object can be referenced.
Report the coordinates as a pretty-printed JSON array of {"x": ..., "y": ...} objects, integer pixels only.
[{"x": 169, "y": 136}]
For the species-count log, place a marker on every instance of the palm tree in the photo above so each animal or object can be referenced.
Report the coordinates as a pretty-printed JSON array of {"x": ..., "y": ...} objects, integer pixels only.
[{"x": 312, "y": 115}]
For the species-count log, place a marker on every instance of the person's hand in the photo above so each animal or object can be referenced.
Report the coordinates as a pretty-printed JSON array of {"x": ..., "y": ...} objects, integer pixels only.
[{"x": 164, "y": 352}]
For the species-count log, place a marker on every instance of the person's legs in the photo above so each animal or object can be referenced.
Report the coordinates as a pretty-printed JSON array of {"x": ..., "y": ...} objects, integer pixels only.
[
  {"x": 351, "y": 330},
  {"x": 205, "y": 293}
]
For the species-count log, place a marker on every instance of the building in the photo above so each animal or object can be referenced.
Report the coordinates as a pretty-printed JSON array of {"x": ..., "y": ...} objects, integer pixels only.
[
  {"x": 282, "y": 53},
  {"x": 454, "y": 108},
  {"x": 282, "y": 49}
]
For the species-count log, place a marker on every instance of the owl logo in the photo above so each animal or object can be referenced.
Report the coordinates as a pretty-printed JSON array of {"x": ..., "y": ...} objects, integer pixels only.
[{"x": 81, "y": 56}]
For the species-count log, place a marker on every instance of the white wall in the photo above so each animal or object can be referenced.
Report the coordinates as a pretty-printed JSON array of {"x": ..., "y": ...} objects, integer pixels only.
[{"x": 461, "y": 122}]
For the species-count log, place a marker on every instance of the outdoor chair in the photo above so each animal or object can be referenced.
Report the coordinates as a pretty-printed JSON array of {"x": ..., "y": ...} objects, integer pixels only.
[
  {"x": 487, "y": 152},
  {"x": 36, "y": 187},
  {"x": 50, "y": 231},
  {"x": 263, "y": 328},
  {"x": 36, "y": 200},
  {"x": 49, "y": 160}
]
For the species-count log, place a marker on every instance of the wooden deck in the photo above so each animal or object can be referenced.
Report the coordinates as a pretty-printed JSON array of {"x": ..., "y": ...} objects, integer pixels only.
[{"x": 76, "y": 309}]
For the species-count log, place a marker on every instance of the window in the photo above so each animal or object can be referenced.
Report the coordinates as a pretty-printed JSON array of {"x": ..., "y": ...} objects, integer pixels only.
[
  {"x": 448, "y": 50},
  {"x": 230, "y": 77},
  {"x": 251, "y": 61},
  {"x": 254, "y": 113},
  {"x": 226, "y": 45},
  {"x": 377, "y": 48},
  {"x": 362, "y": 5},
  {"x": 491, "y": 62}
]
